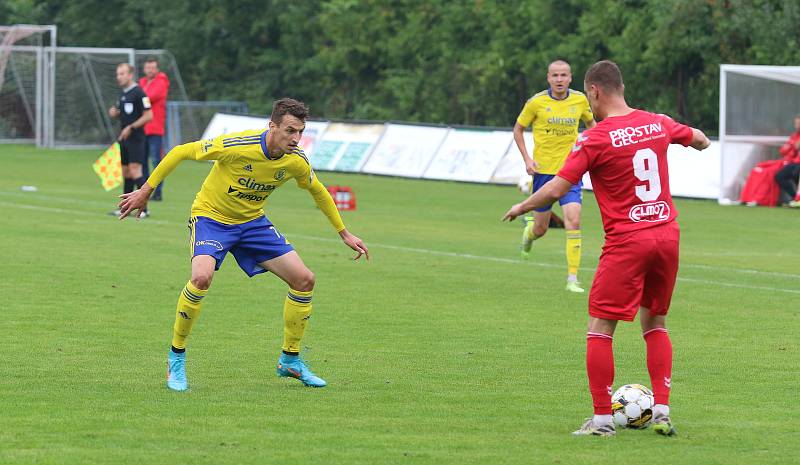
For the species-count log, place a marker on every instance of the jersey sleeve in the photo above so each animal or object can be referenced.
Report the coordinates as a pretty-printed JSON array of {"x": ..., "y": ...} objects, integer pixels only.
[
  {"x": 145, "y": 101},
  {"x": 586, "y": 114},
  {"x": 528, "y": 114},
  {"x": 307, "y": 179},
  {"x": 577, "y": 162},
  {"x": 207, "y": 149},
  {"x": 678, "y": 133}
]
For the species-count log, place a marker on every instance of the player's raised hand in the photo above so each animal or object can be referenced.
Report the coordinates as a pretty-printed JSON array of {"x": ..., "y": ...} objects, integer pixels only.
[
  {"x": 354, "y": 243},
  {"x": 134, "y": 201},
  {"x": 513, "y": 213}
]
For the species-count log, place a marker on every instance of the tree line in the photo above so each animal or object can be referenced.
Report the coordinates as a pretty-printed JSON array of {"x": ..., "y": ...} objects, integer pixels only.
[{"x": 471, "y": 62}]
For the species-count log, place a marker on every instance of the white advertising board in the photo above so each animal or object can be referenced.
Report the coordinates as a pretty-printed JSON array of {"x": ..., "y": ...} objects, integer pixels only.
[
  {"x": 405, "y": 150},
  {"x": 345, "y": 147},
  {"x": 469, "y": 155},
  {"x": 311, "y": 137},
  {"x": 223, "y": 124},
  {"x": 511, "y": 168}
]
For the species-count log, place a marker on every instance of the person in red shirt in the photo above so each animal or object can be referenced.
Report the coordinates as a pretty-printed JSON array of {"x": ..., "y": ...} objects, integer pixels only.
[
  {"x": 626, "y": 157},
  {"x": 788, "y": 176},
  {"x": 156, "y": 85}
]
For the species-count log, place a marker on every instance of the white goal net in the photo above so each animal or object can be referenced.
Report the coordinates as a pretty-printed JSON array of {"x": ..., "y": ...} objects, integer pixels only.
[
  {"x": 26, "y": 83},
  {"x": 757, "y": 107}
]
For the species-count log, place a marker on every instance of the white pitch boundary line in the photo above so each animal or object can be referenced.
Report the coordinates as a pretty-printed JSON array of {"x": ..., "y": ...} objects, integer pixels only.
[{"x": 456, "y": 254}]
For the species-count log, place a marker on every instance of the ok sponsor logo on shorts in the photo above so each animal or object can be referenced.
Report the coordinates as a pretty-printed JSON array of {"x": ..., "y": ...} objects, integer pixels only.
[
  {"x": 652, "y": 212},
  {"x": 210, "y": 243}
]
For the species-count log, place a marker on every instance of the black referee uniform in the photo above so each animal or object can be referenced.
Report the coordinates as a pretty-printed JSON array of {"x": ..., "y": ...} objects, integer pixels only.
[{"x": 131, "y": 105}]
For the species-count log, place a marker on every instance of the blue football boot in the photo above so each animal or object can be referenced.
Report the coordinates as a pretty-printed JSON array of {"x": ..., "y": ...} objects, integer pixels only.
[
  {"x": 176, "y": 371},
  {"x": 292, "y": 366}
]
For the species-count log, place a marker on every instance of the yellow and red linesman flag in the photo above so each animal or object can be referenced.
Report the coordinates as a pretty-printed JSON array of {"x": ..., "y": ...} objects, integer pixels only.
[{"x": 109, "y": 167}]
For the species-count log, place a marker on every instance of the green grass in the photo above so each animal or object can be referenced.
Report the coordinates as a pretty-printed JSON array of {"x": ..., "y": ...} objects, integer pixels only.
[{"x": 443, "y": 349}]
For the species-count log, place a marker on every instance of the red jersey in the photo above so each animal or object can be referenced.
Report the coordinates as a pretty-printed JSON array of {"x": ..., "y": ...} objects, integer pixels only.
[
  {"x": 156, "y": 91},
  {"x": 789, "y": 150},
  {"x": 626, "y": 157}
]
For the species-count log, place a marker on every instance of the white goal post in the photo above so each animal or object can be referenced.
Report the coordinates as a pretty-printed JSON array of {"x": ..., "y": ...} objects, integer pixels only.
[
  {"x": 27, "y": 79},
  {"x": 757, "y": 107}
]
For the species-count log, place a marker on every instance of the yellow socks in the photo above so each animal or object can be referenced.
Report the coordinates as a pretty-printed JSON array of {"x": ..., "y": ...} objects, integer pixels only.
[
  {"x": 186, "y": 314},
  {"x": 296, "y": 312},
  {"x": 573, "y": 252}
]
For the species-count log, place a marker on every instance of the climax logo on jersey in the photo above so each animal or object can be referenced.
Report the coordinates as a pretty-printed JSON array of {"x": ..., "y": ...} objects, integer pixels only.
[
  {"x": 251, "y": 183},
  {"x": 651, "y": 212},
  {"x": 214, "y": 244},
  {"x": 280, "y": 174}
]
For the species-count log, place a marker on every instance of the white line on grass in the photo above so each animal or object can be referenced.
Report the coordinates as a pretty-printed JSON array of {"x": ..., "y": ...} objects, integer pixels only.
[{"x": 460, "y": 255}]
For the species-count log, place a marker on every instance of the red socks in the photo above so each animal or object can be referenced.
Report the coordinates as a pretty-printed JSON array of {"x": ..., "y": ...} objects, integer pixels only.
[
  {"x": 600, "y": 368},
  {"x": 659, "y": 363}
]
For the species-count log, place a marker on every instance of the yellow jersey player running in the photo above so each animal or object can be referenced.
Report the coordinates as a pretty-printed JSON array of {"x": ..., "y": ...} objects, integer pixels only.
[
  {"x": 228, "y": 216},
  {"x": 555, "y": 114}
]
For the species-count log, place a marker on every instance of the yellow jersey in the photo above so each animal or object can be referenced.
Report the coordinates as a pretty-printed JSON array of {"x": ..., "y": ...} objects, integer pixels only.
[
  {"x": 244, "y": 176},
  {"x": 555, "y": 126}
]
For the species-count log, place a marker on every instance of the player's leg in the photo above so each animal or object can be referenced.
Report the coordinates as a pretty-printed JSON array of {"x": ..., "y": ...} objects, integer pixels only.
[
  {"x": 615, "y": 295},
  {"x": 154, "y": 154},
  {"x": 125, "y": 158},
  {"x": 572, "y": 226},
  {"x": 535, "y": 229},
  {"x": 296, "y": 313},
  {"x": 137, "y": 146},
  {"x": 186, "y": 314},
  {"x": 600, "y": 371},
  {"x": 209, "y": 243},
  {"x": 127, "y": 182},
  {"x": 659, "y": 365},
  {"x": 656, "y": 297},
  {"x": 571, "y": 206},
  {"x": 541, "y": 218},
  {"x": 146, "y": 160},
  {"x": 786, "y": 178}
]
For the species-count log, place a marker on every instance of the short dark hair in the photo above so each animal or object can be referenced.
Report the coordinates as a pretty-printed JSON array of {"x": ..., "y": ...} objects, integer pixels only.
[
  {"x": 288, "y": 106},
  {"x": 152, "y": 60},
  {"x": 131, "y": 68},
  {"x": 606, "y": 75}
]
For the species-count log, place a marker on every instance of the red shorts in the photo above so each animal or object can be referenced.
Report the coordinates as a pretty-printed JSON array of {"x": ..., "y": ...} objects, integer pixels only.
[{"x": 636, "y": 270}]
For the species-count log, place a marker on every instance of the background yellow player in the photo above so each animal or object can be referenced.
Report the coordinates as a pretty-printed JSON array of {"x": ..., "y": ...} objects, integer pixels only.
[
  {"x": 228, "y": 216},
  {"x": 555, "y": 114}
]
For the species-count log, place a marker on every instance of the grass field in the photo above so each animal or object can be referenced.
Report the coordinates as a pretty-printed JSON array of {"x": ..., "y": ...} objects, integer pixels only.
[{"x": 444, "y": 349}]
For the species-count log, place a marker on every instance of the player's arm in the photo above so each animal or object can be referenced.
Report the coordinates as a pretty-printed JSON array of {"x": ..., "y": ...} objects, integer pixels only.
[
  {"x": 199, "y": 150},
  {"x": 157, "y": 91},
  {"x": 685, "y": 135},
  {"x": 147, "y": 115},
  {"x": 546, "y": 195},
  {"x": 699, "y": 140},
  {"x": 325, "y": 203},
  {"x": 574, "y": 168},
  {"x": 590, "y": 124},
  {"x": 525, "y": 119},
  {"x": 790, "y": 149}
]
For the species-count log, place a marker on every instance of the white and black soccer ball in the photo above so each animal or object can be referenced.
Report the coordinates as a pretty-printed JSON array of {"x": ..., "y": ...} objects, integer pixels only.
[
  {"x": 524, "y": 184},
  {"x": 632, "y": 406}
]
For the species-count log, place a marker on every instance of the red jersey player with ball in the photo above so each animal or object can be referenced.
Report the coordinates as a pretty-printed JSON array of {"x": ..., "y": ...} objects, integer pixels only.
[{"x": 626, "y": 157}]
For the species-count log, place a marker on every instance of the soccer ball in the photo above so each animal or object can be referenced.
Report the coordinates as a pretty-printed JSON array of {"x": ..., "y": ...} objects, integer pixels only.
[
  {"x": 632, "y": 406},
  {"x": 524, "y": 184}
]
